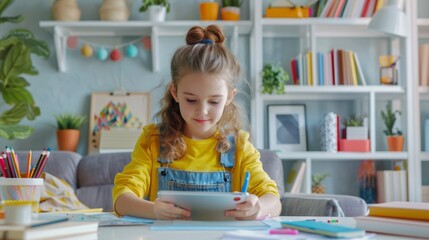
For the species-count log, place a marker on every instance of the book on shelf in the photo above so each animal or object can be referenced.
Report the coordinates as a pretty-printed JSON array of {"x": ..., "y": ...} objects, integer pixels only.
[
  {"x": 61, "y": 230},
  {"x": 395, "y": 226},
  {"x": 424, "y": 64},
  {"x": 406, "y": 210},
  {"x": 295, "y": 177}
]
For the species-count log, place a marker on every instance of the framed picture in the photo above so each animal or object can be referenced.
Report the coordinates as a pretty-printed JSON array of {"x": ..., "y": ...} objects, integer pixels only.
[
  {"x": 286, "y": 127},
  {"x": 126, "y": 113}
]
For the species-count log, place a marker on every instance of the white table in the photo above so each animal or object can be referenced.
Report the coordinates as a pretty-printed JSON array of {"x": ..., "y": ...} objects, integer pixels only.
[{"x": 145, "y": 233}]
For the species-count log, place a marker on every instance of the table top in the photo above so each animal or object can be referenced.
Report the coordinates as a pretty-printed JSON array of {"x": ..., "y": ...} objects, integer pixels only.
[{"x": 144, "y": 232}]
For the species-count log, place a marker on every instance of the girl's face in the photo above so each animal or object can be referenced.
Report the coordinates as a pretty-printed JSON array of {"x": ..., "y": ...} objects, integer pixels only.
[{"x": 202, "y": 98}]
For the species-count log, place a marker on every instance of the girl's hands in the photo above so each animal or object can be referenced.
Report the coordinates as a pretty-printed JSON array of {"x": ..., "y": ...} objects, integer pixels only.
[
  {"x": 249, "y": 210},
  {"x": 167, "y": 211}
]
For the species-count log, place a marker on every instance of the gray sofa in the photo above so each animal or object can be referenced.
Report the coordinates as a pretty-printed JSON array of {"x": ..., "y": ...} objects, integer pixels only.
[{"x": 92, "y": 179}]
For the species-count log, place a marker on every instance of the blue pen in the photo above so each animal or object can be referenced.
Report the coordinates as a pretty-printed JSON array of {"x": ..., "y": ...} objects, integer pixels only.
[{"x": 246, "y": 182}]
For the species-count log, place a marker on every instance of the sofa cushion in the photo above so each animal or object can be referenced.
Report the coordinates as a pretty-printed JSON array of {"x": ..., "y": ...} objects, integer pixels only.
[
  {"x": 60, "y": 164},
  {"x": 295, "y": 205},
  {"x": 273, "y": 165},
  {"x": 352, "y": 206},
  {"x": 96, "y": 173},
  {"x": 100, "y": 169},
  {"x": 97, "y": 196}
]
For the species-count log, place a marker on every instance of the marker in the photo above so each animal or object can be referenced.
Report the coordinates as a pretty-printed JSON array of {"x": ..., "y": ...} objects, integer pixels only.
[
  {"x": 246, "y": 182},
  {"x": 287, "y": 231}
]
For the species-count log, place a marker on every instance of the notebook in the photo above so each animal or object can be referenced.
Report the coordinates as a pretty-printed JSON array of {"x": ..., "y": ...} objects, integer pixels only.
[
  {"x": 68, "y": 229},
  {"x": 325, "y": 229}
]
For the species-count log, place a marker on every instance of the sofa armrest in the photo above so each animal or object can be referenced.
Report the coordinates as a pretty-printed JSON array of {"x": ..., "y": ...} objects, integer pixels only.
[{"x": 333, "y": 204}]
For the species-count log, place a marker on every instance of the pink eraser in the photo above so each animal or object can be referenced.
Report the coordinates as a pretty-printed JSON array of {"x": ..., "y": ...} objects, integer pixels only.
[{"x": 287, "y": 231}]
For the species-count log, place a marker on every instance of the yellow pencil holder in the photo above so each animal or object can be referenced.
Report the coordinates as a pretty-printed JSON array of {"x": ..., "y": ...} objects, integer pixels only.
[{"x": 21, "y": 189}]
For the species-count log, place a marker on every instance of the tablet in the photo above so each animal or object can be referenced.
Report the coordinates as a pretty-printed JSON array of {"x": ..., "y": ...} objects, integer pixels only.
[{"x": 207, "y": 206}]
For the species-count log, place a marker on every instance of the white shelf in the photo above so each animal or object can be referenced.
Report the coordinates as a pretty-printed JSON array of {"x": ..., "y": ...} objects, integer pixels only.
[
  {"x": 321, "y": 27},
  {"x": 293, "y": 92},
  {"x": 343, "y": 156},
  {"x": 61, "y": 30}
]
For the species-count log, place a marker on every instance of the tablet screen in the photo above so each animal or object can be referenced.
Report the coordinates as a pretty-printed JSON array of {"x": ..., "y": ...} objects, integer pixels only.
[{"x": 207, "y": 206}]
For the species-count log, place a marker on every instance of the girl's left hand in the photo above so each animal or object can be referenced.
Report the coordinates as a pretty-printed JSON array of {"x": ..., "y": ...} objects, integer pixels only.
[{"x": 249, "y": 210}]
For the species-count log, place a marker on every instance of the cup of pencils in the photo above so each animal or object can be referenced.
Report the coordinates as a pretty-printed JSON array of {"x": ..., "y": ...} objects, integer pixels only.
[
  {"x": 17, "y": 191},
  {"x": 21, "y": 187}
]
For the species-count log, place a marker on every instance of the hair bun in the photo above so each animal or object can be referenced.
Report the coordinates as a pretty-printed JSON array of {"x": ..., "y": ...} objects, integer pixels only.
[{"x": 212, "y": 32}]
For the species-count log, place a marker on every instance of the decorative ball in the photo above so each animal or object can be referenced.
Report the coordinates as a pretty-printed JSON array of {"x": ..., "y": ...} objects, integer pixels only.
[
  {"x": 115, "y": 55},
  {"x": 147, "y": 43},
  {"x": 72, "y": 42},
  {"x": 131, "y": 51},
  {"x": 86, "y": 50},
  {"x": 102, "y": 54}
]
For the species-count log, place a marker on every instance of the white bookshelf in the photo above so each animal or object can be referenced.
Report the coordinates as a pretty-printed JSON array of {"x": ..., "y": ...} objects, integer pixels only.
[{"x": 314, "y": 34}]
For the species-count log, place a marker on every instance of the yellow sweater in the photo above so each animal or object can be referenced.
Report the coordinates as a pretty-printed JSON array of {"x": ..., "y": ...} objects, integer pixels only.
[{"x": 140, "y": 175}]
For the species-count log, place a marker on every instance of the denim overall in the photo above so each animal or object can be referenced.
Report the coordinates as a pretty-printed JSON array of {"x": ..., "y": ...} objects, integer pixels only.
[{"x": 180, "y": 180}]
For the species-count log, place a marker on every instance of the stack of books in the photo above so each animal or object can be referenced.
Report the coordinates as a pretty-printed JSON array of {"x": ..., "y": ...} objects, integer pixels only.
[
  {"x": 50, "y": 228},
  {"x": 399, "y": 218}
]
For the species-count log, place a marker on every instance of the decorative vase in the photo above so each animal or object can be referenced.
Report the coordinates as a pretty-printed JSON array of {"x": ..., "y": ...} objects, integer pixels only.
[
  {"x": 209, "y": 11},
  {"x": 230, "y": 13},
  {"x": 68, "y": 139},
  {"x": 66, "y": 10},
  {"x": 114, "y": 10},
  {"x": 157, "y": 13},
  {"x": 395, "y": 143}
]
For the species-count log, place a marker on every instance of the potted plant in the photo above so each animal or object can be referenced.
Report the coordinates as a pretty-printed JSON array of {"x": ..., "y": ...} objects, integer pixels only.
[
  {"x": 395, "y": 140},
  {"x": 274, "y": 79},
  {"x": 157, "y": 9},
  {"x": 16, "y": 48},
  {"x": 209, "y": 10},
  {"x": 68, "y": 130},
  {"x": 230, "y": 10},
  {"x": 316, "y": 183},
  {"x": 356, "y": 135},
  {"x": 355, "y": 128}
]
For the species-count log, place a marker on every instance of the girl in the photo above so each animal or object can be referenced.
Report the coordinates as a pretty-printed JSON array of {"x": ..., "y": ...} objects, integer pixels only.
[{"x": 198, "y": 144}]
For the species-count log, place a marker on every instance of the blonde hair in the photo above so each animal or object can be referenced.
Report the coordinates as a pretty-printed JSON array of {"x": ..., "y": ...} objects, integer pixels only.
[{"x": 204, "y": 53}]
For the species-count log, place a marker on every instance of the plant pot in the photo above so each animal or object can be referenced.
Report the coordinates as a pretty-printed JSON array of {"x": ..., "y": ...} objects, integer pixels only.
[
  {"x": 68, "y": 139},
  {"x": 395, "y": 143},
  {"x": 209, "y": 11},
  {"x": 230, "y": 13},
  {"x": 157, "y": 13},
  {"x": 66, "y": 10},
  {"x": 114, "y": 10}
]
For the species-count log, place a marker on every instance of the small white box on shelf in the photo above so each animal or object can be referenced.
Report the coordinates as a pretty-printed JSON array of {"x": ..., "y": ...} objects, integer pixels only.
[{"x": 357, "y": 133}]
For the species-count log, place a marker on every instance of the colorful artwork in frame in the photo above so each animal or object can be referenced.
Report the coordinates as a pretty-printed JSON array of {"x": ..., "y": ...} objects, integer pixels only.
[{"x": 116, "y": 110}]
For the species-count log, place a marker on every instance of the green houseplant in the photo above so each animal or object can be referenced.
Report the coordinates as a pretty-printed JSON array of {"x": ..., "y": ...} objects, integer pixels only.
[
  {"x": 230, "y": 10},
  {"x": 68, "y": 131},
  {"x": 148, "y": 3},
  {"x": 16, "y": 48},
  {"x": 232, "y": 3},
  {"x": 157, "y": 9},
  {"x": 274, "y": 79},
  {"x": 69, "y": 121},
  {"x": 394, "y": 138}
]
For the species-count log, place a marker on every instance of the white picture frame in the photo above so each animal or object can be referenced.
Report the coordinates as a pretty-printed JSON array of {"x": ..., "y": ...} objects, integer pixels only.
[{"x": 287, "y": 128}]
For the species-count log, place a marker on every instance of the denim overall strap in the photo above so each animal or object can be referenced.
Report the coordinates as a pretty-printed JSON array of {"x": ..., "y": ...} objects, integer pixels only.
[
  {"x": 181, "y": 180},
  {"x": 228, "y": 159}
]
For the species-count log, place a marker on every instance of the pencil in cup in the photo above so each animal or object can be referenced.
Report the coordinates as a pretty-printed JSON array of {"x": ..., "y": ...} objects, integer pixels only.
[{"x": 22, "y": 189}]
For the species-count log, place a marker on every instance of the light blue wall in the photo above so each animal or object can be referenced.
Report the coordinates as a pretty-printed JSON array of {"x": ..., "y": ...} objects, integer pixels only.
[{"x": 57, "y": 92}]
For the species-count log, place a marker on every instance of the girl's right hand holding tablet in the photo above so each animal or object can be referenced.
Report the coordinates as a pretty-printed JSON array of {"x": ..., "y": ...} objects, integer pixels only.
[{"x": 168, "y": 211}]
